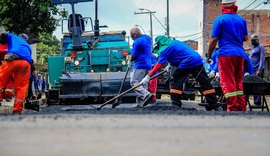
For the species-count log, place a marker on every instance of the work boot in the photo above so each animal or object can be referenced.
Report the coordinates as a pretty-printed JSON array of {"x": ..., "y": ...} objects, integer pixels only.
[
  {"x": 215, "y": 107},
  {"x": 147, "y": 99},
  {"x": 8, "y": 99},
  {"x": 176, "y": 100}
]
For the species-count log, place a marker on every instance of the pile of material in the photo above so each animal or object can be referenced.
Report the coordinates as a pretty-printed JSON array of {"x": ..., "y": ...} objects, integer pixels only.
[
  {"x": 254, "y": 85},
  {"x": 253, "y": 79}
]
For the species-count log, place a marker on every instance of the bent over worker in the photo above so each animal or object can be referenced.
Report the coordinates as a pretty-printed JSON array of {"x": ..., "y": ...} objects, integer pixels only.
[
  {"x": 187, "y": 61},
  {"x": 17, "y": 63},
  {"x": 230, "y": 30}
]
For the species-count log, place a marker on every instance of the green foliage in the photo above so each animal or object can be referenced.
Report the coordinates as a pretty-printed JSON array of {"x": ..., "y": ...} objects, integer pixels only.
[
  {"x": 48, "y": 46},
  {"x": 29, "y": 16}
]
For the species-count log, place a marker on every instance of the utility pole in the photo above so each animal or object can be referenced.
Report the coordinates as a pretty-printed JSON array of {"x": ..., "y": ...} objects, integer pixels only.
[
  {"x": 168, "y": 12},
  {"x": 146, "y": 11}
]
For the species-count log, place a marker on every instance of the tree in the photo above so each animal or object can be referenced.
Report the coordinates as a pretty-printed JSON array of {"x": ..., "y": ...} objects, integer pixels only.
[
  {"x": 29, "y": 16},
  {"x": 47, "y": 47}
]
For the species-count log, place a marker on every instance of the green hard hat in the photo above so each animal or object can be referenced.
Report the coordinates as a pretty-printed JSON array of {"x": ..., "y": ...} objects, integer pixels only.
[{"x": 161, "y": 43}]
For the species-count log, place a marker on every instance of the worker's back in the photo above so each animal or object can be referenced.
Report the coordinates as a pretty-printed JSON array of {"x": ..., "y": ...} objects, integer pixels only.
[{"x": 231, "y": 30}]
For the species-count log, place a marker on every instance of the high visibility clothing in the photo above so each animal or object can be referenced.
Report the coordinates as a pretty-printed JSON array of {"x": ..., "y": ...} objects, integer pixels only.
[
  {"x": 8, "y": 91},
  {"x": 21, "y": 70},
  {"x": 231, "y": 70}
]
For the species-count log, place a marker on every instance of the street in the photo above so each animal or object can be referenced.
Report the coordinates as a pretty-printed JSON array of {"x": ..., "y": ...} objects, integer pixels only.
[{"x": 160, "y": 130}]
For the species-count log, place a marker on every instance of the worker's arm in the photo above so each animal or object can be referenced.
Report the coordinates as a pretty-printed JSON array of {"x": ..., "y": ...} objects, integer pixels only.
[
  {"x": 147, "y": 78},
  {"x": 155, "y": 69},
  {"x": 245, "y": 38},
  {"x": 212, "y": 46}
]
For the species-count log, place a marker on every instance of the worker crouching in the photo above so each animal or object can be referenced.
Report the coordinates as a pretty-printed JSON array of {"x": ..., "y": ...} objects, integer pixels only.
[
  {"x": 17, "y": 63},
  {"x": 187, "y": 61}
]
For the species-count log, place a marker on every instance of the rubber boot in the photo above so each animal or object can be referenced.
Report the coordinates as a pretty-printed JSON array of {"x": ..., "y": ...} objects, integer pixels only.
[{"x": 176, "y": 100}]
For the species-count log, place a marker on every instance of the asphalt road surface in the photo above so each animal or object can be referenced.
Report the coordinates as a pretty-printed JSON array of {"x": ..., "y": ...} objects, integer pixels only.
[{"x": 155, "y": 130}]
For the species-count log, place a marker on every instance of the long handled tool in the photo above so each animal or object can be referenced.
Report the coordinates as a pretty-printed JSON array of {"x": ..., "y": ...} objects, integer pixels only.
[
  {"x": 125, "y": 92},
  {"x": 116, "y": 103}
]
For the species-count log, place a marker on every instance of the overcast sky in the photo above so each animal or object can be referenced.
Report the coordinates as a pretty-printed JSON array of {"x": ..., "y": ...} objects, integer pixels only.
[{"x": 119, "y": 15}]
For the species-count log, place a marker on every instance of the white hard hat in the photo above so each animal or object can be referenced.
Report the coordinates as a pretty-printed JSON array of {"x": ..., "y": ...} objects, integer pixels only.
[{"x": 228, "y": 1}]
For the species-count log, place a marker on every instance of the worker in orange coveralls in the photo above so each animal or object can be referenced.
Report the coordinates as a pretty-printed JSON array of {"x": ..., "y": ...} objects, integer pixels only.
[
  {"x": 17, "y": 63},
  {"x": 7, "y": 92}
]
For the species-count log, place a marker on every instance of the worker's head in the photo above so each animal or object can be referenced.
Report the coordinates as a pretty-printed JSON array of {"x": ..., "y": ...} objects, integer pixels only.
[
  {"x": 161, "y": 43},
  {"x": 228, "y": 2},
  {"x": 254, "y": 39},
  {"x": 135, "y": 32},
  {"x": 23, "y": 36}
]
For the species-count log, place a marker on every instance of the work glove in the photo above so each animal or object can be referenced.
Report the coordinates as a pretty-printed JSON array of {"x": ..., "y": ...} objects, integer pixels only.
[
  {"x": 168, "y": 68},
  {"x": 212, "y": 74},
  {"x": 208, "y": 58},
  {"x": 246, "y": 74},
  {"x": 129, "y": 64},
  {"x": 145, "y": 80},
  {"x": 217, "y": 76}
]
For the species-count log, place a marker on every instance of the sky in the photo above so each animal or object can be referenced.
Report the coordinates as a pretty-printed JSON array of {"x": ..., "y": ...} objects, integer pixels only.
[{"x": 119, "y": 15}]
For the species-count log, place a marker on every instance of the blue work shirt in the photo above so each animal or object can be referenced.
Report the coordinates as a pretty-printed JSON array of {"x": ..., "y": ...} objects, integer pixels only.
[
  {"x": 18, "y": 46},
  {"x": 142, "y": 53},
  {"x": 230, "y": 29},
  {"x": 180, "y": 55},
  {"x": 257, "y": 57}
]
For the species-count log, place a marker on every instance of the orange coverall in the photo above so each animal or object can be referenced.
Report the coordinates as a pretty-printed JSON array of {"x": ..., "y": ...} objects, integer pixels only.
[
  {"x": 7, "y": 91},
  {"x": 21, "y": 72}
]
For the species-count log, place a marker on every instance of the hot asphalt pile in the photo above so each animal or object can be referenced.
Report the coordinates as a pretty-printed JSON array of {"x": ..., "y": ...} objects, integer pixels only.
[{"x": 162, "y": 107}]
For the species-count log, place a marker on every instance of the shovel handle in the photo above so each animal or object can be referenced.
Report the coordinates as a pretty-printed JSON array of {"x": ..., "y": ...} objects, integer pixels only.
[{"x": 130, "y": 89}]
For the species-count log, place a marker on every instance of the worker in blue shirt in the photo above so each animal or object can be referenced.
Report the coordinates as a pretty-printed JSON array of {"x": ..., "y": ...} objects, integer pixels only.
[
  {"x": 17, "y": 63},
  {"x": 230, "y": 31},
  {"x": 257, "y": 57},
  {"x": 141, "y": 59},
  {"x": 187, "y": 61}
]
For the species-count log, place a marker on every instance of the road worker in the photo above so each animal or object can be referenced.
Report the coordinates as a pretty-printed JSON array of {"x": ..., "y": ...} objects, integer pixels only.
[
  {"x": 141, "y": 59},
  {"x": 230, "y": 31},
  {"x": 17, "y": 63},
  {"x": 187, "y": 61},
  {"x": 257, "y": 57},
  {"x": 7, "y": 91}
]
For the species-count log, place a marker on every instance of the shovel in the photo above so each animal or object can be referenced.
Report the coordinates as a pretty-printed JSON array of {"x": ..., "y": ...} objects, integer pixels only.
[
  {"x": 125, "y": 92},
  {"x": 116, "y": 103}
]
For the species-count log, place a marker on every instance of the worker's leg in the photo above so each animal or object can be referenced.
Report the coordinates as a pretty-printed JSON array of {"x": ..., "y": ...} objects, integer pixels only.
[
  {"x": 9, "y": 89},
  {"x": 142, "y": 91},
  {"x": 152, "y": 87},
  {"x": 207, "y": 89},
  {"x": 179, "y": 76},
  {"x": 6, "y": 70},
  {"x": 227, "y": 65},
  {"x": 21, "y": 82},
  {"x": 257, "y": 99},
  {"x": 239, "y": 72}
]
